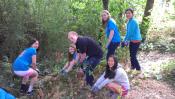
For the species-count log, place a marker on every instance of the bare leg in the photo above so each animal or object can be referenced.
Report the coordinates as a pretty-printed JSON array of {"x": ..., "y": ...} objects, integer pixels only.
[
  {"x": 33, "y": 80},
  {"x": 25, "y": 79}
]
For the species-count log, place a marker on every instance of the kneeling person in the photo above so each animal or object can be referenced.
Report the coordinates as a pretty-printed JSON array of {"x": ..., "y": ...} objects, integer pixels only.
[
  {"x": 114, "y": 78},
  {"x": 88, "y": 49},
  {"x": 25, "y": 66}
]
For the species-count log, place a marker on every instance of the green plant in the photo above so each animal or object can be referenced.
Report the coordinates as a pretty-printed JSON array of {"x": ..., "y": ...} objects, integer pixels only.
[{"x": 169, "y": 72}]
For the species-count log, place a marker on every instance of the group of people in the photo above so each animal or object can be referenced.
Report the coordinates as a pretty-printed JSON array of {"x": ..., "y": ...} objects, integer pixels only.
[
  {"x": 86, "y": 51},
  {"x": 89, "y": 52}
]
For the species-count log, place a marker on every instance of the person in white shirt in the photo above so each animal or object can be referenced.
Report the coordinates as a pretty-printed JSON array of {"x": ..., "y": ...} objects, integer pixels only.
[{"x": 114, "y": 78}]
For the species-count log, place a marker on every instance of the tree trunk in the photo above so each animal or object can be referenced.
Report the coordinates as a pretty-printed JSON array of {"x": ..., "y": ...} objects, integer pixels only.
[
  {"x": 146, "y": 18},
  {"x": 105, "y": 4}
]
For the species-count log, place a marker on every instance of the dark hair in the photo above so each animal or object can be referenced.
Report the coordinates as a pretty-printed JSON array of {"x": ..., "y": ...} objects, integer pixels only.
[
  {"x": 110, "y": 73},
  {"x": 129, "y": 9},
  {"x": 31, "y": 41}
]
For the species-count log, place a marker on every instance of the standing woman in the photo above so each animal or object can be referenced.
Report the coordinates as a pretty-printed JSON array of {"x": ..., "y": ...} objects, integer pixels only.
[
  {"x": 25, "y": 66},
  {"x": 134, "y": 37},
  {"x": 112, "y": 33}
]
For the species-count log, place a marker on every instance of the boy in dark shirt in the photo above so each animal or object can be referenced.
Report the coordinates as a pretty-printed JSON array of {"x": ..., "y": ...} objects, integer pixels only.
[{"x": 89, "y": 52}]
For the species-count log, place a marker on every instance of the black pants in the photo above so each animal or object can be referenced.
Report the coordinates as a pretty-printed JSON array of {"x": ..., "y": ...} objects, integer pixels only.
[
  {"x": 111, "y": 49},
  {"x": 88, "y": 67},
  {"x": 133, "y": 48}
]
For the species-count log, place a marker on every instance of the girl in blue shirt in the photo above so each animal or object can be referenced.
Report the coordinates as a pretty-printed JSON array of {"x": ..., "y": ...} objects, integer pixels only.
[
  {"x": 4, "y": 94},
  {"x": 112, "y": 33},
  {"x": 25, "y": 66},
  {"x": 133, "y": 36}
]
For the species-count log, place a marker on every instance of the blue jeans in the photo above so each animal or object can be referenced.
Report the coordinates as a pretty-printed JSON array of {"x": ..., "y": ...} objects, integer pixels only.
[
  {"x": 90, "y": 64},
  {"x": 111, "y": 49},
  {"x": 133, "y": 48}
]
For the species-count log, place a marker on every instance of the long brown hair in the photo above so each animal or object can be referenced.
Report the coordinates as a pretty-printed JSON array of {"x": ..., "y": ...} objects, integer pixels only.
[
  {"x": 110, "y": 73},
  {"x": 105, "y": 22},
  {"x": 70, "y": 56}
]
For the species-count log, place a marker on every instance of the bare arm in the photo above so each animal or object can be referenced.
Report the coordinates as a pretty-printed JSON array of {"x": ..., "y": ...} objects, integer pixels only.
[
  {"x": 71, "y": 64},
  {"x": 110, "y": 38},
  {"x": 33, "y": 62},
  {"x": 82, "y": 57}
]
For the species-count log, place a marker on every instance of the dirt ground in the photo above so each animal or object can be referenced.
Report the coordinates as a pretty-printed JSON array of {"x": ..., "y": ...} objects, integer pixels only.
[
  {"x": 141, "y": 88},
  {"x": 145, "y": 88}
]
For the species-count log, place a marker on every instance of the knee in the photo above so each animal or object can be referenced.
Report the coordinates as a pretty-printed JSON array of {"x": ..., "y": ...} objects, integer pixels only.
[
  {"x": 109, "y": 85},
  {"x": 35, "y": 74}
]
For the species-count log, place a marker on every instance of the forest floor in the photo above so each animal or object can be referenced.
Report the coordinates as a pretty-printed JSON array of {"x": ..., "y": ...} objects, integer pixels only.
[{"x": 152, "y": 86}]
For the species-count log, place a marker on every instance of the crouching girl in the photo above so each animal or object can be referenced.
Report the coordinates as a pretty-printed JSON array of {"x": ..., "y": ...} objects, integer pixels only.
[{"x": 114, "y": 78}]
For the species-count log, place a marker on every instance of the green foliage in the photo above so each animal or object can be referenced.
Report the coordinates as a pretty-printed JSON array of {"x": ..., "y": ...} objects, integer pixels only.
[
  {"x": 169, "y": 72},
  {"x": 13, "y": 25},
  {"x": 123, "y": 54},
  {"x": 168, "y": 67},
  {"x": 50, "y": 20},
  {"x": 145, "y": 26}
]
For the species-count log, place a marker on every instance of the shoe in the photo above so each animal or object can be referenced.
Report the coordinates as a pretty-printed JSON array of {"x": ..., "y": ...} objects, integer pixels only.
[
  {"x": 30, "y": 93},
  {"x": 24, "y": 88},
  {"x": 63, "y": 73}
]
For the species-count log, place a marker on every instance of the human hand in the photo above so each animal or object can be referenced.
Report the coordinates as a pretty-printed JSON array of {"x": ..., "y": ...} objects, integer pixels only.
[{"x": 124, "y": 44}]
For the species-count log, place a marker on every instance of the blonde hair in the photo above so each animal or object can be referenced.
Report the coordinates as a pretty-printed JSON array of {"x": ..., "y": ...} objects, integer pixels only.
[
  {"x": 109, "y": 16},
  {"x": 72, "y": 33}
]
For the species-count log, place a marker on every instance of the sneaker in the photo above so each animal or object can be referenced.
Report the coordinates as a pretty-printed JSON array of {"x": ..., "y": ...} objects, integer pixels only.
[
  {"x": 61, "y": 71},
  {"x": 30, "y": 93},
  {"x": 24, "y": 88},
  {"x": 64, "y": 73}
]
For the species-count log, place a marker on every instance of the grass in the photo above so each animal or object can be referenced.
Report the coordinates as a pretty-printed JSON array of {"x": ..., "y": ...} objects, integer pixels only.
[{"x": 169, "y": 73}]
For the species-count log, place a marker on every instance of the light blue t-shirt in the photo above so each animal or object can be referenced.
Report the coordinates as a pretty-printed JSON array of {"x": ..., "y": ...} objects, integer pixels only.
[
  {"x": 5, "y": 95},
  {"x": 132, "y": 30},
  {"x": 24, "y": 60},
  {"x": 111, "y": 25}
]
